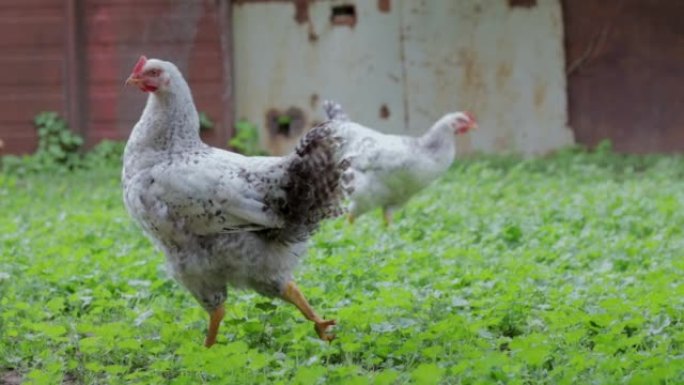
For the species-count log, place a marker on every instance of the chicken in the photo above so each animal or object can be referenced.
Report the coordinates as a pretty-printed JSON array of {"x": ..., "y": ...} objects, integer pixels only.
[
  {"x": 223, "y": 219},
  {"x": 386, "y": 170}
]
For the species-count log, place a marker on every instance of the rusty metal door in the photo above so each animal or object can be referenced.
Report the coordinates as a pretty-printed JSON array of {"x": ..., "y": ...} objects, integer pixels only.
[
  {"x": 503, "y": 60},
  {"x": 290, "y": 55},
  {"x": 625, "y": 68},
  {"x": 399, "y": 65}
]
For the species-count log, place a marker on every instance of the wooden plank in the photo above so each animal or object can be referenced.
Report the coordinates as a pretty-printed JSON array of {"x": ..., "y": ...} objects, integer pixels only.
[
  {"x": 36, "y": 33},
  {"x": 75, "y": 71},
  {"x": 226, "y": 129},
  {"x": 18, "y": 109},
  {"x": 107, "y": 67},
  {"x": 148, "y": 24},
  {"x": 18, "y": 145},
  {"x": 30, "y": 71},
  {"x": 18, "y": 131},
  {"x": 31, "y": 4},
  {"x": 118, "y": 31},
  {"x": 105, "y": 106},
  {"x": 31, "y": 68},
  {"x": 625, "y": 74}
]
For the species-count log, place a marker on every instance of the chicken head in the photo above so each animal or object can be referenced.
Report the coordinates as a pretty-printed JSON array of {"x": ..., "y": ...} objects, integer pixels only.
[
  {"x": 149, "y": 75},
  {"x": 463, "y": 122}
]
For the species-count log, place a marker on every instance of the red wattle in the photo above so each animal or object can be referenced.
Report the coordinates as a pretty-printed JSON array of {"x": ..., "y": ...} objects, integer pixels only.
[{"x": 148, "y": 88}]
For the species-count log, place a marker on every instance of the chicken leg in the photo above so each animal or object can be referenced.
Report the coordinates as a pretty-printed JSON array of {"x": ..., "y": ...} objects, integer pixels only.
[
  {"x": 295, "y": 297},
  {"x": 215, "y": 319},
  {"x": 387, "y": 215}
]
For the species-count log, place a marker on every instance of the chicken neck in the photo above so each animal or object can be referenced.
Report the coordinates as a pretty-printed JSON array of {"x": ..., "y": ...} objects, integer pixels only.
[
  {"x": 439, "y": 142},
  {"x": 169, "y": 122}
]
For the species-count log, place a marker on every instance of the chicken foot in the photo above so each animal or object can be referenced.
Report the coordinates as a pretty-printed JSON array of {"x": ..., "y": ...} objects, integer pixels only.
[
  {"x": 295, "y": 297},
  {"x": 387, "y": 215},
  {"x": 215, "y": 319}
]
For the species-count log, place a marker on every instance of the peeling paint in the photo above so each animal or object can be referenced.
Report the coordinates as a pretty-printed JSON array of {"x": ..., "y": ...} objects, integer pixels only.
[
  {"x": 503, "y": 74},
  {"x": 384, "y": 6},
  {"x": 406, "y": 68},
  {"x": 503, "y": 64},
  {"x": 359, "y": 68},
  {"x": 472, "y": 70},
  {"x": 313, "y": 101},
  {"x": 301, "y": 15},
  {"x": 522, "y": 3},
  {"x": 302, "y": 11},
  {"x": 539, "y": 95},
  {"x": 384, "y": 111},
  {"x": 311, "y": 33}
]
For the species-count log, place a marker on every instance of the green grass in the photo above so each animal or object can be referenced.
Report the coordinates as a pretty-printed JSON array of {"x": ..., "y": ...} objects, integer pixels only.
[{"x": 567, "y": 270}]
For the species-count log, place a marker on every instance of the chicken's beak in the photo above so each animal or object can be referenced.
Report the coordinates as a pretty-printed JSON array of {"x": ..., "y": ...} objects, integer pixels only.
[
  {"x": 473, "y": 122},
  {"x": 133, "y": 80}
]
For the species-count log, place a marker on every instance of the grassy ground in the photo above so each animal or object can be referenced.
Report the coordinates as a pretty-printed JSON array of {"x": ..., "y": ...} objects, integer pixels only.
[{"x": 563, "y": 271}]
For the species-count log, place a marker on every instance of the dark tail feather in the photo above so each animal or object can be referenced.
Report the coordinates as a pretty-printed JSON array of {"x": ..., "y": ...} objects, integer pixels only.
[
  {"x": 312, "y": 184},
  {"x": 334, "y": 111}
]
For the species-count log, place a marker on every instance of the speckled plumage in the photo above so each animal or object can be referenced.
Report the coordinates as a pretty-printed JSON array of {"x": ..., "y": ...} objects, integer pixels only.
[
  {"x": 386, "y": 170},
  {"x": 223, "y": 219}
]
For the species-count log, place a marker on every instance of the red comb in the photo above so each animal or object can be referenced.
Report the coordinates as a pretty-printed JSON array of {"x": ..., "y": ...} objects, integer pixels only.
[
  {"x": 469, "y": 115},
  {"x": 139, "y": 65}
]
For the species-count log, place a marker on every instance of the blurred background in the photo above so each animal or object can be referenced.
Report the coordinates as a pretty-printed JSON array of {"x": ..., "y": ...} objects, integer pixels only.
[{"x": 538, "y": 74}]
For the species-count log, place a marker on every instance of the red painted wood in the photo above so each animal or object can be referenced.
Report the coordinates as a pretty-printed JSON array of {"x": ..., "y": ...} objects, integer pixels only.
[
  {"x": 119, "y": 31},
  {"x": 31, "y": 68},
  {"x": 625, "y": 73},
  {"x": 73, "y": 56}
]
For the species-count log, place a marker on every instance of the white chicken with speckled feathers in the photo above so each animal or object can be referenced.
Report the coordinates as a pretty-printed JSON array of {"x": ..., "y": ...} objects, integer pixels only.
[
  {"x": 387, "y": 170},
  {"x": 223, "y": 219}
]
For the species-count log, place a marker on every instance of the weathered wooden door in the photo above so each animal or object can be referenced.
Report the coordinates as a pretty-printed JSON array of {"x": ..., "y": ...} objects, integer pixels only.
[{"x": 625, "y": 64}]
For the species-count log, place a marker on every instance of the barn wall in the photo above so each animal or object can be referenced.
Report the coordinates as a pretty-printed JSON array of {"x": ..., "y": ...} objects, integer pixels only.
[
  {"x": 503, "y": 60},
  {"x": 32, "y": 67},
  {"x": 399, "y": 65},
  {"x": 303, "y": 58},
  {"x": 119, "y": 31},
  {"x": 625, "y": 73},
  {"x": 73, "y": 56}
]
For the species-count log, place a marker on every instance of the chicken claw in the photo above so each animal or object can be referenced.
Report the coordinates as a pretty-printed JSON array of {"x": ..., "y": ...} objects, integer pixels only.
[
  {"x": 387, "y": 215},
  {"x": 292, "y": 295},
  {"x": 322, "y": 328}
]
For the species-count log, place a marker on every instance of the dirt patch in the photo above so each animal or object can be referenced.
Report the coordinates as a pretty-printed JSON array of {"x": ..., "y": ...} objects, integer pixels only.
[{"x": 10, "y": 378}]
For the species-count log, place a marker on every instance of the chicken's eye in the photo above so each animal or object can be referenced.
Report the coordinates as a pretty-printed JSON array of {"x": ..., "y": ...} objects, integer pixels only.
[{"x": 153, "y": 72}]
